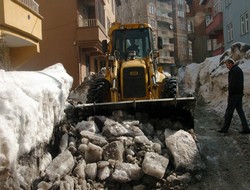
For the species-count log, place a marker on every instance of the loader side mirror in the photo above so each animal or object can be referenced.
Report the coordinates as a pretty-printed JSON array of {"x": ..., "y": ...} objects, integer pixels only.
[
  {"x": 104, "y": 46},
  {"x": 160, "y": 42}
]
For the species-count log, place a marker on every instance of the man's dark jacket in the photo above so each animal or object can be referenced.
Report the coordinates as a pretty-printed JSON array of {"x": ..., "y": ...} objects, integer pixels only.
[{"x": 235, "y": 81}]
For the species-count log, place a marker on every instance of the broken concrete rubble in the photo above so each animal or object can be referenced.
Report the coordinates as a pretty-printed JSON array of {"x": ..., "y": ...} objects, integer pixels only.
[
  {"x": 183, "y": 149},
  {"x": 154, "y": 165},
  {"x": 119, "y": 154},
  {"x": 60, "y": 166},
  {"x": 125, "y": 172}
]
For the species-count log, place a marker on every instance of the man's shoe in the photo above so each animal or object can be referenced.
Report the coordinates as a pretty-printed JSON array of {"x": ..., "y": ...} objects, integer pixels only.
[
  {"x": 222, "y": 131},
  {"x": 245, "y": 132}
]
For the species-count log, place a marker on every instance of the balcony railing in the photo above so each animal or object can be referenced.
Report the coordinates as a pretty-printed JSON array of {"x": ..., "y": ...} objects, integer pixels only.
[
  {"x": 166, "y": 33},
  {"x": 215, "y": 24},
  {"x": 165, "y": 19},
  {"x": 166, "y": 60},
  {"x": 90, "y": 23},
  {"x": 31, "y": 4}
]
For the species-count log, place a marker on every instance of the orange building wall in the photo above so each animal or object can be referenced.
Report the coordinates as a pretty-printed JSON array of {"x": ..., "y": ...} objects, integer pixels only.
[{"x": 59, "y": 26}]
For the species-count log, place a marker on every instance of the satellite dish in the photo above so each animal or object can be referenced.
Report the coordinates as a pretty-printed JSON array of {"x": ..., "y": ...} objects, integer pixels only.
[{"x": 171, "y": 27}]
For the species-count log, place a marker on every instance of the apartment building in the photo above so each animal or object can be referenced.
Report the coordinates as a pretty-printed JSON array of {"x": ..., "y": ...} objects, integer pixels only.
[
  {"x": 94, "y": 19},
  {"x": 182, "y": 46},
  {"x": 198, "y": 39},
  {"x": 72, "y": 35},
  {"x": 236, "y": 26},
  {"x": 164, "y": 22},
  {"x": 20, "y": 32},
  {"x": 214, "y": 26},
  {"x": 157, "y": 13}
]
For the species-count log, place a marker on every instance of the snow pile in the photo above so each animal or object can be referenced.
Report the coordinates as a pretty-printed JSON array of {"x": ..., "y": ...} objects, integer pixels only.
[
  {"x": 31, "y": 104},
  {"x": 209, "y": 80}
]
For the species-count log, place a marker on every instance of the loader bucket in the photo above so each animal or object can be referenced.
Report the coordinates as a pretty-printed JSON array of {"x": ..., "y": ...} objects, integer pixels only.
[{"x": 179, "y": 109}]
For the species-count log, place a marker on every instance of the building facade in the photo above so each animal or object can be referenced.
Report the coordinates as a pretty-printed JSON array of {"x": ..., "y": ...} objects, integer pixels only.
[
  {"x": 198, "y": 39},
  {"x": 227, "y": 22},
  {"x": 19, "y": 35},
  {"x": 72, "y": 35},
  {"x": 182, "y": 47},
  {"x": 164, "y": 22},
  {"x": 214, "y": 26},
  {"x": 94, "y": 20},
  {"x": 236, "y": 26}
]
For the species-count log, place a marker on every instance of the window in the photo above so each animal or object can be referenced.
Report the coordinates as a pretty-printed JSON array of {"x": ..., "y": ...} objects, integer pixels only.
[
  {"x": 151, "y": 9},
  {"x": 209, "y": 45},
  {"x": 101, "y": 14},
  {"x": 124, "y": 39},
  {"x": 172, "y": 54},
  {"x": 180, "y": 8},
  {"x": 246, "y": 21},
  {"x": 180, "y": 2},
  {"x": 214, "y": 44},
  {"x": 190, "y": 52},
  {"x": 165, "y": 41},
  {"x": 190, "y": 26},
  {"x": 180, "y": 13},
  {"x": 230, "y": 32},
  {"x": 244, "y": 25},
  {"x": 208, "y": 19}
]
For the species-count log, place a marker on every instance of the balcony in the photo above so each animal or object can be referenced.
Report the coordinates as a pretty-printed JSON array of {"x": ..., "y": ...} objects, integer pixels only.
[
  {"x": 215, "y": 24},
  {"x": 165, "y": 19},
  {"x": 166, "y": 7},
  {"x": 218, "y": 49},
  {"x": 191, "y": 33},
  {"x": 20, "y": 23},
  {"x": 166, "y": 33},
  {"x": 89, "y": 35},
  {"x": 169, "y": 46},
  {"x": 30, "y": 4},
  {"x": 87, "y": 23},
  {"x": 166, "y": 60}
]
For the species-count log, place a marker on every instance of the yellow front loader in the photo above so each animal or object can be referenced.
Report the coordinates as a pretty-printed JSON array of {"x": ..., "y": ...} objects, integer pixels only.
[{"x": 133, "y": 82}]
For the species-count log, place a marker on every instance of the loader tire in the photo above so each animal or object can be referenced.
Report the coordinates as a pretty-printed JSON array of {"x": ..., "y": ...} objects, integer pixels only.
[
  {"x": 170, "y": 88},
  {"x": 99, "y": 91}
]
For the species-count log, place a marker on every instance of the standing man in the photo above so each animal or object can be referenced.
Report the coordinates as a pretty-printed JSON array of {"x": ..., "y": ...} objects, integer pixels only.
[{"x": 235, "y": 94}]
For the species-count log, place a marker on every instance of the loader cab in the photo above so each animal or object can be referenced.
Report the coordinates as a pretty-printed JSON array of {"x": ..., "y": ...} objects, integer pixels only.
[{"x": 132, "y": 43}]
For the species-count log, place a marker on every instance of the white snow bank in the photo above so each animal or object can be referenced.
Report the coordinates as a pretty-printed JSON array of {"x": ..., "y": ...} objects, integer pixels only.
[
  {"x": 190, "y": 76},
  {"x": 31, "y": 104},
  {"x": 209, "y": 80}
]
